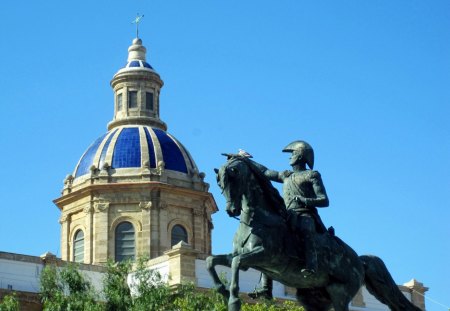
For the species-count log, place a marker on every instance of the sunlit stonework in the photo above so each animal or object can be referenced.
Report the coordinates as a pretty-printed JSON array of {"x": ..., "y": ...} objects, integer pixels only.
[{"x": 136, "y": 190}]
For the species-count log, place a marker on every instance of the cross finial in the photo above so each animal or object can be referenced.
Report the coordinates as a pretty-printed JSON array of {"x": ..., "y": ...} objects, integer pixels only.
[{"x": 136, "y": 21}]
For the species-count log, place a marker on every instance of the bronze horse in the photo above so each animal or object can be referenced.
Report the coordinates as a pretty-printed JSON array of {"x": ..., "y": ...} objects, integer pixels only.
[{"x": 264, "y": 242}]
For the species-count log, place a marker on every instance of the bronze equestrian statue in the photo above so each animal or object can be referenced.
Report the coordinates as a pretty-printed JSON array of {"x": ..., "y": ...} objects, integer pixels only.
[{"x": 286, "y": 240}]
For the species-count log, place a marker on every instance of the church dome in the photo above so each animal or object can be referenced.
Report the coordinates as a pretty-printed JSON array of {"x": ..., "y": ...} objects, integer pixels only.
[
  {"x": 138, "y": 146},
  {"x": 136, "y": 187}
]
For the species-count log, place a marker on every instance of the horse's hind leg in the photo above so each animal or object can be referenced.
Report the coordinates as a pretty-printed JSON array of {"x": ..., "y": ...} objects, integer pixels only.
[
  {"x": 340, "y": 296},
  {"x": 314, "y": 299},
  {"x": 211, "y": 263}
]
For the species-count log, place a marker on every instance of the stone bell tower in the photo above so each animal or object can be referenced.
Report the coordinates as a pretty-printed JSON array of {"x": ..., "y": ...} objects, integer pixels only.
[{"x": 136, "y": 190}]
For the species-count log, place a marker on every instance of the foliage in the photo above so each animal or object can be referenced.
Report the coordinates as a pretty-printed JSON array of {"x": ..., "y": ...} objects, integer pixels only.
[
  {"x": 150, "y": 290},
  {"x": 67, "y": 289},
  {"x": 267, "y": 305},
  {"x": 115, "y": 287},
  {"x": 9, "y": 303},
  {"x": 188, "y": 298}
]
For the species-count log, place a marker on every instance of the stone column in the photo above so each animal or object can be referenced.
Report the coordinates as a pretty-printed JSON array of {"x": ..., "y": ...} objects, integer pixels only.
[
  {"x": 146, "y": 207},
  {"x": 197, "y": 230},
  {"x": 417, "y": 291},
  {"x": 181, "y": 263},
  {"x": 64, "y": 221},
  {"x": 101, "y": 232},
  {"x": 164, "y": 242},
  {"x": 89, "y": 235},
  {"x": 155, "y": 231}
]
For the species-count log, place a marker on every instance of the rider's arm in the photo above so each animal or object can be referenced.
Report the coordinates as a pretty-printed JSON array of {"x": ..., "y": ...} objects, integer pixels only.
[
  {"x": 321, "y": 199},
  {"x": 274, "y": 175},
  {"x": 271, "y": 174}
]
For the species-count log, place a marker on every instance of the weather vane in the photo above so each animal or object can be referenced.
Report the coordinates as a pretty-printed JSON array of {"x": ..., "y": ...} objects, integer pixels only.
[{"x": 136, "y": 21}]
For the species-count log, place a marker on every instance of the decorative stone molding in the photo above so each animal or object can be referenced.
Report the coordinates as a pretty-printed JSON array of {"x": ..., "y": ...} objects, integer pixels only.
[
  {"x": 198, "y": 212},
  {"x": 94, "y": 170},
  {"x": 417, "y": 291},
  {"x": 163, "y": 205},
  {"x": 64, "y": 218},
  {"x": 160, "y": 167},
  {"x": 146, "y": 205},
  {"x": 210, "y": 225},
  {"x": 136, "y": 223},
  {"x": 68, "y": 180},
  {"x": 88, "y": 209},
  {"x": 101, "y": 206},
  {"x": 104, "y": 172},
  {"x": 48, "y": 258}
]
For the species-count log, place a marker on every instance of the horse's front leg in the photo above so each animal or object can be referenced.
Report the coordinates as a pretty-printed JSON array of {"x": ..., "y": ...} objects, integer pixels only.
[
  {"x": 211, "y": 263},
  {"x": 234, "y": 303},
  {"x": 246, "y": 260}
]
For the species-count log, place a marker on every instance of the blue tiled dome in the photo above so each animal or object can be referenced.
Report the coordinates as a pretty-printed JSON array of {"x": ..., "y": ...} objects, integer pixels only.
[
  {"x": 138, "y": 64},
  {"x": 131, "y": 147}
]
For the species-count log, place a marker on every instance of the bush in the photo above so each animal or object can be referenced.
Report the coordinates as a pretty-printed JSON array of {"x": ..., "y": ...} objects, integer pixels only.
[
  {"x": 272, "y": 305},
  {"x": 115, "y": 287},
  {"x": 67, "y": 289},
  {"x": 9, "y": 303}
]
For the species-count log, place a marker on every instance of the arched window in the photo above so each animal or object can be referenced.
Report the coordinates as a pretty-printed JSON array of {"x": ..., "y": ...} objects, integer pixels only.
[
  {"x": 124, "y": 241},
  {"x": 178, "y": 234},
  {"x": 78, "y": 246}
]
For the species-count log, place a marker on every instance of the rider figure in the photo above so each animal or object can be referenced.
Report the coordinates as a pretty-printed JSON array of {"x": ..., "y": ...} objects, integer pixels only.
[{"x": 303, "y": 192}]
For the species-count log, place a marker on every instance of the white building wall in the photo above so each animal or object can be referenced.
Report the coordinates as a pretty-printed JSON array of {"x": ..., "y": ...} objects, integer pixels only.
[{"x": 20, "y": 275}]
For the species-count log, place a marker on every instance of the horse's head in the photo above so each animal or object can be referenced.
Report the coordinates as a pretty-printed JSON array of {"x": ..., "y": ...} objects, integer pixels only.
[{"x": 232, "y": 179}]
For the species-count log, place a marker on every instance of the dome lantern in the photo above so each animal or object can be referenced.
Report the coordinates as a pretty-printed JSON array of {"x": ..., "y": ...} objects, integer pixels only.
[{"x": 136, "y": 91}]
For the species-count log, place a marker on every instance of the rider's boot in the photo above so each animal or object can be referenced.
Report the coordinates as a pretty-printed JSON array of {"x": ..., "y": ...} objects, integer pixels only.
[
  {"x": 309, "y": 244},
  {"x": 265, "y": 291},
  {"x": 311, "y": 258}
]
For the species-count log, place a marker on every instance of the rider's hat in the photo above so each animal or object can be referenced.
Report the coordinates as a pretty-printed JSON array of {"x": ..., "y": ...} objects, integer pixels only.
[{"x": 304, "y": 148}]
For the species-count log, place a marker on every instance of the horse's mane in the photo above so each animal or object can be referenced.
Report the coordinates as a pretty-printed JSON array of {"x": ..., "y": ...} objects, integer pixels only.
[{"x": 272, "y": 195}]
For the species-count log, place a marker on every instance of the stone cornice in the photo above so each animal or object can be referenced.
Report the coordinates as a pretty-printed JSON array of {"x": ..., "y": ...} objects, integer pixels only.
[
  {"x": 140, "y": 120},
  {"x": 130, "y": 187},
  {"x": 137, "y": 75}
]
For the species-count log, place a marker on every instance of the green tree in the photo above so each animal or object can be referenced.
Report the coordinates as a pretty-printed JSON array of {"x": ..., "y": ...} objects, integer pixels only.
[
  {"x": 66, "y": 289},
  {"x": 272, "y": 305},
  {"x": 115, "y": 287},
  {"x": 9, "y": 303},
  {"x": 151, "y": 292},
  {"x": 188, "y": 298}
]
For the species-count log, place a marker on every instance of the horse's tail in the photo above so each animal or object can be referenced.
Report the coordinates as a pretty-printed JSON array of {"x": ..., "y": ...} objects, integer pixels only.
[{"x": 379, "y": 283}]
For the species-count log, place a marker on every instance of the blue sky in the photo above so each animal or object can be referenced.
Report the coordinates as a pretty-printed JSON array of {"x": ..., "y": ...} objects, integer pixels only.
[{"x": 365, "y": 82}]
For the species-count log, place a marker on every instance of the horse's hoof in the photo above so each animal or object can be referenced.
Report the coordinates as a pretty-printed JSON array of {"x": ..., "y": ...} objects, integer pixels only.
[
  {"x": 261, "y": 294},
  {"x": 234, "y": 305}
]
